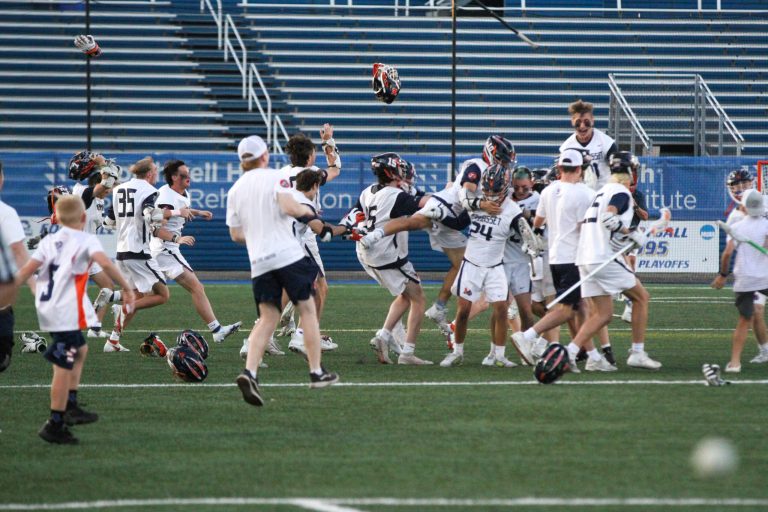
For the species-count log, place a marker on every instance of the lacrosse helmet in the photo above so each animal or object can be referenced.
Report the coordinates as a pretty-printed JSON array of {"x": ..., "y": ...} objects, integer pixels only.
[
  {"x": 738, "y": 182},
  {"x": 82, "y": 165},
  {"x": 193, "y": 340},
  {"x": 624, "y": 162},
  {"x": 385, "y": 83},
  {"x": 408, "y": 170},
  {"x": 586, "y": 158},
  {"x": 552, "y": 365},
  {"x": 540, "y": 179},
  {"x": 498, "y": 150},
  {"x": 387, "y": 167},
  {"x": 186, "y": 364},
  {"x": 54, "y": 194},
  {"x": 495, "y": 182}
]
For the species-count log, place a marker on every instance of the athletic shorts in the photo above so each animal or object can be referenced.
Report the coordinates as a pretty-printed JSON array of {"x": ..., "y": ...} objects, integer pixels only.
[
  {"x": 473, "y": 281},
  {"x": 394, "y": 279},
  {"x": 565, "y": 275},
  {"x": 142, "y": 275},
  {"x": 6, "y": 331},
  {"x": 171, "y": 263},
  {"x": 64, "y": 348},
  {"x": 518, "y": 275},
  {"x": 297, "y": 279},
  {"x": 313, "y": 251},
  {"x": 760, "y": 299},
  {"x": 544, "y": 287},
  {"x": 613, "y": 278},
  {"x": 94, "y": 269},
  {"x": 745, "y": 302}
]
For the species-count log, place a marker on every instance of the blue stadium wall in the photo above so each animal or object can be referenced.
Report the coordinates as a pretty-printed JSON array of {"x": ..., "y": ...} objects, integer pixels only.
[{"x": 692, "y": 187}]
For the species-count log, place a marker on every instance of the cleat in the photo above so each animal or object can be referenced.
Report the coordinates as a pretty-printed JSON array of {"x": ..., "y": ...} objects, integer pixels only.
[
  {"x": 272, "y": 349},
  {"x": 437, "y": 315},
  {"x": 411, "y": 359},
  {"x": 499, "y": 362},
  {"x": 117, "y": 311},
  {"x": 296, "y": 344},
  {"x": 452, "y": 359},
  {"x": 523, "y": 347},
  {"x": 400, "y": 335},
  {"x": 732, "y": 369},
  {"x": 114, "y": 346},
  {"x": 244, "y": 350},
  {"x": 97, "y": 333},
  {"x": 608, "y": 354},
  {"x": 538, "y": 347},
  {"x": 601, "y": 365},
  {"x": 572, "y": 366},
  {"x": 323, "y": 380},
  {"x": 57, "y": 434},
  {"x": 102, "y": 299},
  {"x": 380, "y": 344},
  {"x": 77, "y": 416},
  {"x": 450, "y": 338},
  {"x": 225, "y": 331},
  {"x": 249, "y": 387},
  {"x": 761, "y": 357},
  {"x": 642, "y": 360},
  {"x": 327, "y": 344}
]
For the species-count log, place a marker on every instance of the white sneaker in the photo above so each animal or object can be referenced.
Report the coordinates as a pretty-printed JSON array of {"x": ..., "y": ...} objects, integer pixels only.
[
  {"x": 512, "y": 310},
  {"x": 642, "y": 360},
  {"x": 452, "y": 359},
  {"x": 400, "y": 335},
  {"x": 272, "y": 349},
  {"x": 501, "y": 362},
  {"x": 327, "y": 344},
  {"x": 411, "y": 359},
  {"x": 380, "y": 344},
  {"x": 761, "y": 357},
  {"x": 114, "y": 347},
  {"x": 297, "y": 343},
  {"x": 523, "y": 347},
  {"x": 601, "y": 365},
  {"x": 101, "y": 333},
  {"x": 437, "y": 315},
  {"x": 538, "y": 347},
  {"x": 102, "y": 299},
  {"x": 244, "y": 354},
  {"x": 225, "y": 331},
  {"x": 117, "y": 311},
  {"x": 732, "y": 369},
  {"x": 572, "y": 366},
  {"x": 626, "y": 316}
]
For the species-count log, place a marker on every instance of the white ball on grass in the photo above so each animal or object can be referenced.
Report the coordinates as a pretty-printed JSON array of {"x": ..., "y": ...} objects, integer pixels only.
[{"x": 714, "y": 457}]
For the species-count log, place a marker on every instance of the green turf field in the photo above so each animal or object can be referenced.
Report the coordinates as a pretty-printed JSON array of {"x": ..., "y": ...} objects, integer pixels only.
[{"x": 391, "y": 438}]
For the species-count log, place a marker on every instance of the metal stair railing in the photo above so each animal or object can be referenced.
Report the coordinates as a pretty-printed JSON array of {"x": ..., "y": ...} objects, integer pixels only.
[
  {"x": 703, "y": 93},
  {"x": 216, "y": 15},
  {"x": 619, "y": 105}
]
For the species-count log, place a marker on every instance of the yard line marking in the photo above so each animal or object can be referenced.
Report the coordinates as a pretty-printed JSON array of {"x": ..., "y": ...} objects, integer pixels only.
[
  {"x": 396, "y": 384},
  {"x": 336, "y": 504}
]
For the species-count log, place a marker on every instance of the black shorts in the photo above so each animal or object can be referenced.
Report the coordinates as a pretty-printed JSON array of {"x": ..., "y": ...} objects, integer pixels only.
[
  {"x": 297, "y": 279},
  {"x": 565, "y": 275},
  {"x": 64, "y": 348},
  {"x": 6, "y": 331},
  {"x": 745, "y": 302}
]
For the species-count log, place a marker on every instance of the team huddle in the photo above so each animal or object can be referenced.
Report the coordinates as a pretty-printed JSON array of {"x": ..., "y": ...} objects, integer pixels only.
[{"x": 540, "y": 248}]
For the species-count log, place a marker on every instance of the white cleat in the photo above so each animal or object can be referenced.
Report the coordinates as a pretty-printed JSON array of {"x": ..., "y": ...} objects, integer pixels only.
[
  {"x": 273, "y": 348},
  {"x": 114, "y": 347},
  {"x": 601, "y": 365},
  {"x": 380, "y": 344},
  {"x": 97, "y": 333},
  {"x": 225, "y": 331},
  {"x": 102, "y": 299},
  {"x": 572, "y": 366},
  {"x": 411, "y": 359},
  {"x": 538, "y": 347},
  {"x": 438, "y": 315},
  {"x": 327, "y": 344},
  {"x": 732, "y": 369},
  {"x": 523, "y": 347},
  {"x": 297, "y": 343},
  {"x": 761, "y": 357},
  {"x": 499, "y": 362},
  {"x": 452, "y": 359},
  {"x": 244, "y": 350},
  {"x": 642, "y": 360}
]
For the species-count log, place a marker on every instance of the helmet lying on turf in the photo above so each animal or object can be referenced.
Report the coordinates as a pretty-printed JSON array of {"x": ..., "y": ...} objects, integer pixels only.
[
  {"x": 193, "y": 340},
  {"x": 187, "y": 365},
  {"x": 552, "y": 365}
]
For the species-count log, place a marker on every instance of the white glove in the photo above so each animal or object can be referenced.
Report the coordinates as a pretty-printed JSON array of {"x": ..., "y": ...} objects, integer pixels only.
[
  {"x": 109, "y": 223},
  {"x": 154, "y": 216},
  {"x": 611, "y": 222},
  {"x": 712, "y": 375},
  {"x": 109, "y": 175},
  {"x": 88, "y": 45},
  {"x": 371, "y": 238},
  {"x": 638, "y": 237},
  {"x": 435, "y": 212}
]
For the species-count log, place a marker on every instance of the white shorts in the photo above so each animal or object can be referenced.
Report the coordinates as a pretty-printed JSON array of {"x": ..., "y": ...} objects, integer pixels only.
[
  {"x": 142, "y": 275},
  {"x": 473, "y": 281},
  {"x": 518, "y": 276},
  {"x": 171, "y": 263},
  {"x": 394, "y": 279},
  {"x": 614, "y": 278},
  {"x": 759, "y": 299},
  {"x": 94, "y": 269},
  {"x": 544, "y": 287},
  {"x": 313, "y": 251}
]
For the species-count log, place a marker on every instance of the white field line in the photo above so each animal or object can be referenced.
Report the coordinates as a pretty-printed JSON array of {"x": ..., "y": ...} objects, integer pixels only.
[
  {"x": 399, "y": 384},
  {"x": 337, "y": 504}
]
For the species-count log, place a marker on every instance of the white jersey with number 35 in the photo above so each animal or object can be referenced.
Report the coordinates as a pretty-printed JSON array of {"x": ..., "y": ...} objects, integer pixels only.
[{"x": 133, "y": 232}]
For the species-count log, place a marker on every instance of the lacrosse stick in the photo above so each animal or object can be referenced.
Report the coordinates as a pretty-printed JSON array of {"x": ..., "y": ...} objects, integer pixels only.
[
  {"x": 532, "y": 244},
  {"x": 657, "y": 226},
  {"x": 740, "y": 238}
]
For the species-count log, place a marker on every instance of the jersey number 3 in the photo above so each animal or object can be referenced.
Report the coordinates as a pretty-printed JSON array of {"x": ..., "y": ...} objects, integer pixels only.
[{"x": 125, "y": 202}]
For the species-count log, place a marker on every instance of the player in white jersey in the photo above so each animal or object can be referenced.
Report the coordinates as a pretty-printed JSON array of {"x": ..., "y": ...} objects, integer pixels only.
[
  {"x": 260, "y": 212},
  {"x": 482, "y": 271},
  {"x": 605, "y": 231},
  {"x": 173, "y": 197},
  {"x": 137, "y": 219},
  {"x": 738, "y": 182},
  {"x": 749, "y": 269},
  {"x": 542, "y": 285},
  {"x": 63, "y": 308},
  {"x": 303, "y": 154},
  {"x": 387, "y": 260},
  {"x": 586, "y": 137},
  {"x": 100, "y": 176}
]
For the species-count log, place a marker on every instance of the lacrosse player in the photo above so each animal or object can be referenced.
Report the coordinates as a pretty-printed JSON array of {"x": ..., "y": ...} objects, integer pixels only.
[
  {"x": 63, "y": 309},
  {"x": 260, "y": 212},
  {"x": 173, "y": 197},
  {"x": 749, "y": 269},
  {"x": 586, "y": 137}
]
